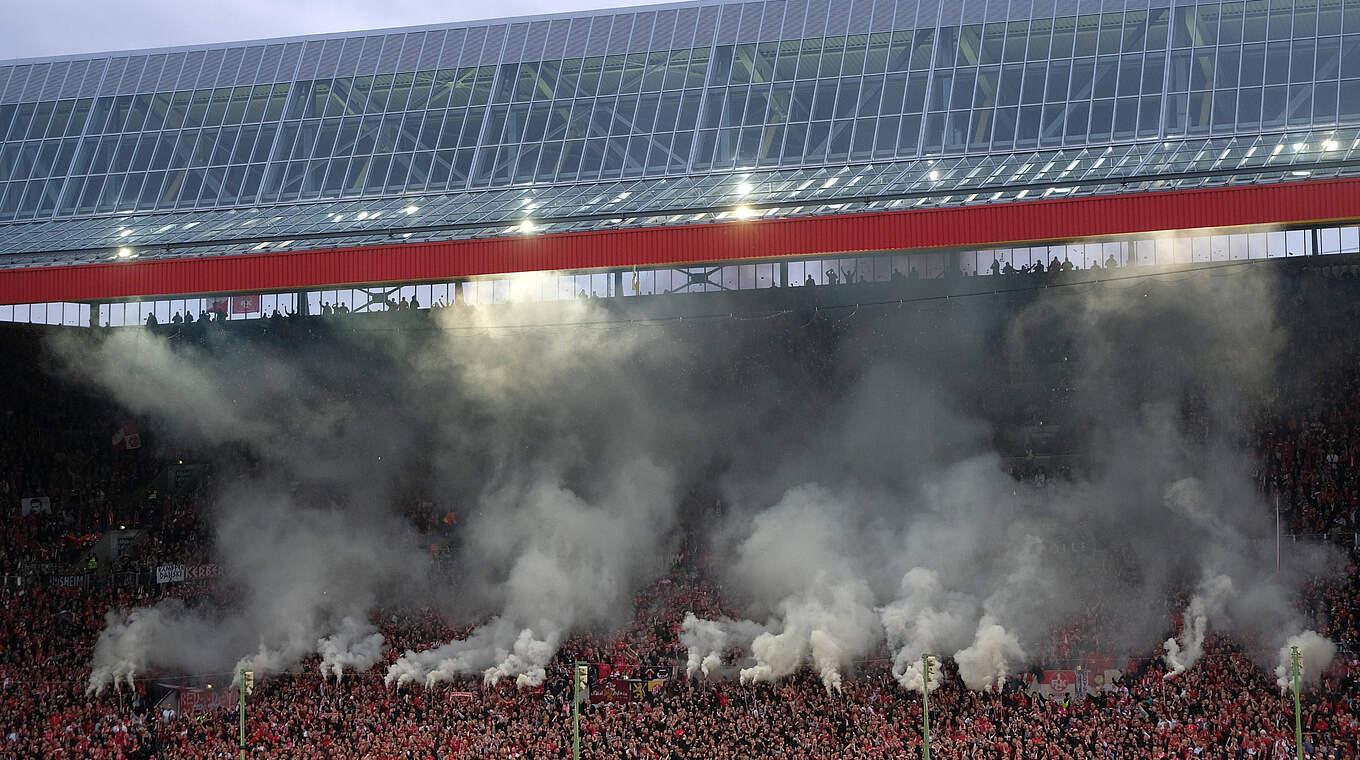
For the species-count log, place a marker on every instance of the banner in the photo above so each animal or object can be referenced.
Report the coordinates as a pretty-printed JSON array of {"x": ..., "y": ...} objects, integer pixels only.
[
  {"x": 607, "y": 690},
  {"x": 36, "y": 505},
  {"x": 1082, "y": 686},
  {"x": 193, "y": 701},
  {"x": 245, "y": 304},
  {"x": 170, "y": 573},
  {"x": 642, "y": 689},
  {"x": 202, "y": 572},
  {"x": 127, "y": 438},
  {"x": 1059, "y": 683},
  {"x": 1101, "y": 680}
]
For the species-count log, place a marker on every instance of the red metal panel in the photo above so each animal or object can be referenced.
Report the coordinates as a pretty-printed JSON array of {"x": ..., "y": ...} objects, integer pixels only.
[{"x": 971, "y": 226}]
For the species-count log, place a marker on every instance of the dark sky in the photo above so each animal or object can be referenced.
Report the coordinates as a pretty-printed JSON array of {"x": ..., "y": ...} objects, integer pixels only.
[{"x": 57, "y": 27}]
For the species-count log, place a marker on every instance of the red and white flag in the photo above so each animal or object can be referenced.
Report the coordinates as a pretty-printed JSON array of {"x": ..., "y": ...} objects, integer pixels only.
[
  {"x": 1060, "y": 683},
  {"x": 127, "y": 438},
  {"x": 245, "y": 304}
]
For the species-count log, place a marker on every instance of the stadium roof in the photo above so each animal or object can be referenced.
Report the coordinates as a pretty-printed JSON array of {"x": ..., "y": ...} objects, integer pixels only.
[{"x": 663, "y": 115}]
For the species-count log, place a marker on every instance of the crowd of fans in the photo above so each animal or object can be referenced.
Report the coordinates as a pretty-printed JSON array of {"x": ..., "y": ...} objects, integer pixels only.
[{"x": 57, "y": 445}]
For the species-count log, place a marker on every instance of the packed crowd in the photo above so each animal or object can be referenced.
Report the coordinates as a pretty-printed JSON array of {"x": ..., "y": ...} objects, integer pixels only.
[{"x": 1225, "y": 707}]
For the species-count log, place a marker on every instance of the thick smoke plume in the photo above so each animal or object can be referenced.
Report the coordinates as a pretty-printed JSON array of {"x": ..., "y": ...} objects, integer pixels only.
[
  {"x": 991, "y": 657},
  {"x": 707, "y": 641},
  {"x": 357, "y": 645},
  {"x": 531, "y": 438},
  {"x": 1315, "y": 654},
  {"x": 1209, "y": 601},
  {"x": 959, "y": 559},
  {"x": 883, "y": 483},
  {"x": 574, "y": 564},
  {"x": 924, "y": 619}
]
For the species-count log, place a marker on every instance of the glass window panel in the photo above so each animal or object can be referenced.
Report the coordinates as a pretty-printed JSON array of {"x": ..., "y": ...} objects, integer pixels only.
[
  {"x": 1057, "y": 79},
  {"x": 899, "y": 51},
  {"x": 677, "y": 67},
  {"x": 1305, "y": 18},
  {"x": 833, "y": 52},
  {"x": 1206, "y": 25},
  {"x": 1281, "y": 19},
  {"x": 1274, "y": 101},
  {"x": 1040, "y": 33},
  {"x": 1008, "y": 94},
  {"x": 848, "y": 94},
  {"x": 698, "y": 67},
  {"x": 1300, "y": 104},
  {"x": 1301, "y": 61},
  {"x": 1350, "y": 99},
  {"x": 742, "y": 62},
  {"x": 1328, "y": 57},
  {"x": 1230, "y": 23},
  {"x": 923, "y": 49},
  {"x": 1035, "y": 77},
  {"x": 1087, "y": 35},
  {"x": 876, "y": 57},
  {"x": 1325, "y": 102},
  {"x": 1135, "y": 31},
  {"x": 856, "y": 47},
  {"x": 633, "y": 66},
  {"x": 1201, "y": 69}
]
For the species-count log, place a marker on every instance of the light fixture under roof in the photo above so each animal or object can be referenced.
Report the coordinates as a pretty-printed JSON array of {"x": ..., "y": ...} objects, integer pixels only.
[
  {"x": 744, "y": 188},
  {"x": 411, "y": 209},
  {"x": 743, "y": 212},
  {"x": 527, "y": 226},
  {"x": 124, "y": 253}
]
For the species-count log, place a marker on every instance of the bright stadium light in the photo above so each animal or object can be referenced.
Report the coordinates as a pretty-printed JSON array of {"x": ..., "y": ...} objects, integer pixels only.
[
  {"x": 1329, "y": 144},
  {"x": 744, "y": 188},
  {"x": 742, "y": 212},
  {"x": 527, "y": 226},
  {"x": 124, "y": 233},
  {"x": 411, "y": 209},
  {"x": 124, "y": 253}
]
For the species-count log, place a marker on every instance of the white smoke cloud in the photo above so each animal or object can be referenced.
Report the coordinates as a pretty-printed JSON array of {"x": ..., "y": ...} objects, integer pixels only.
[
  {"x": 991, "y": 658},
  {"x": 357, "y": 645},
  {"x": 925, "y": 619},
  {"x": 1316, "y": 655},
  {"x": 800, "y": 556},
  {"x": 548, "y": 442},
  {"x": 833, "y": 625},
  {"x": 1208, "y": 604},
  {"x": 124, "y": 648},
  {"x": 573, "y": 564},
  {"x": 706, "y": 641}
]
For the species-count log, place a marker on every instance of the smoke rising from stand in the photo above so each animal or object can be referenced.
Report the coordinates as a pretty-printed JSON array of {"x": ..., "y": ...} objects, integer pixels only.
[{"x": 864, "y": 466}]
